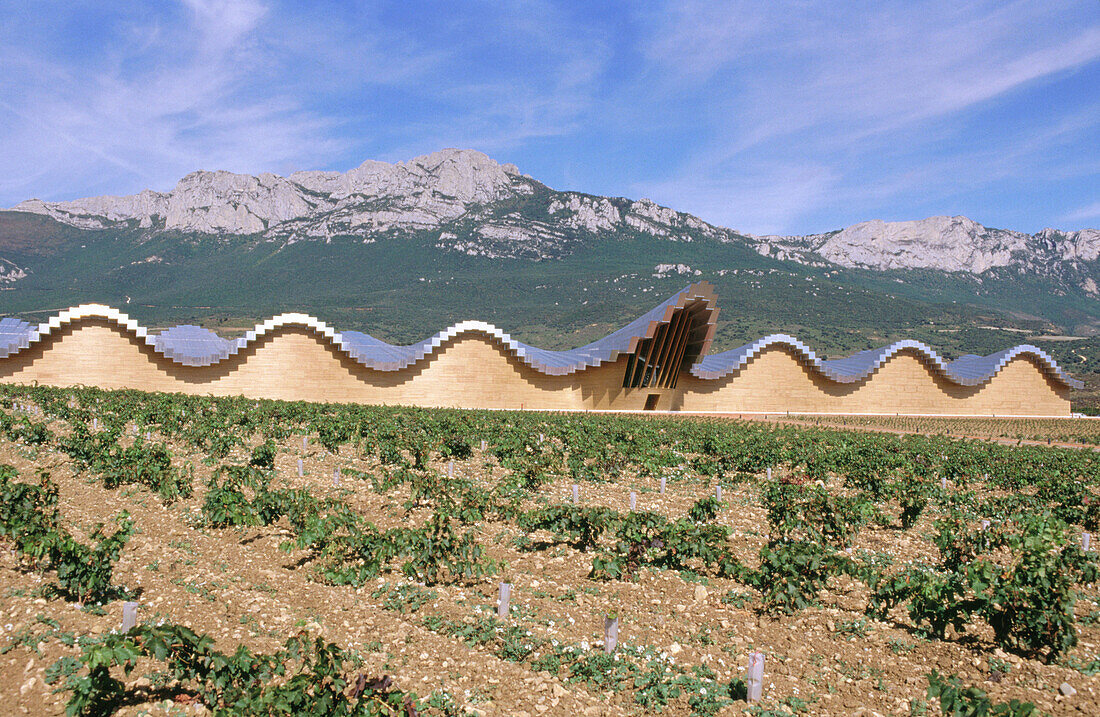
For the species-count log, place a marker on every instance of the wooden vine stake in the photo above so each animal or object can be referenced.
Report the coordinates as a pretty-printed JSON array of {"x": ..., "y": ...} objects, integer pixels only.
[
  {"x": 576, "y": 493},
  {"x": 300, "y": 467},
  {"x": 336, "y": 477},
  {"x": 450, "y": 469},
  {"x": 129, "y": 616},
  {"x": 718, "y": 493},
  {"x": 769, "y": 472},
  {"x": 754, "y": 678},
  {"x": 305, "y": 443},
  {"x": 610, "y": 634},
  {"x": 663, "y": 479},
  {"x": 483, "y": 444},
  {"x": 503, "y": 600},
  {"x": 1086, "y": 540},
  {"x": 633, "y": 500}
]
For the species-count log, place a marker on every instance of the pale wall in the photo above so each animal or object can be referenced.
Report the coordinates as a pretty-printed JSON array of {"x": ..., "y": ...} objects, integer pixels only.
[
  {"x": 294, "y": 364},
  {"x": 776, "y": 382},
  {"x": 472, "y": 371}
]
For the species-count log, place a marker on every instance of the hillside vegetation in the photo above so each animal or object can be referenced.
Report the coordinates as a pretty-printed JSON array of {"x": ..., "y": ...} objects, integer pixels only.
[
  {"x": 402, "y": 251},
  {"x": 404, "y": 290}
]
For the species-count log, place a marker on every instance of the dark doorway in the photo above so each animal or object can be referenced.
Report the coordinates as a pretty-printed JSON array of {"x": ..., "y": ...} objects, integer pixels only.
[{"x": 651, "y": 401}]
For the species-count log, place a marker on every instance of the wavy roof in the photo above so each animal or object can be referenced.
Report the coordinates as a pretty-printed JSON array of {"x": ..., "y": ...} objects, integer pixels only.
[
  {"x": 968, "y": 370},
  {"x": 190, "y": 345},
  {"x": 195, "y": 346}
]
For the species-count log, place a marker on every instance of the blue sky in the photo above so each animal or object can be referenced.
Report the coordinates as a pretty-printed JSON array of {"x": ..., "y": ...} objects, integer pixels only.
[{"x": 790, "y": 117}]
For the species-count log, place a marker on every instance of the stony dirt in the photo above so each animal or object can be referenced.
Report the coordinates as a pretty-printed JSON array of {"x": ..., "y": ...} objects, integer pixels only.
[
  {"x": 238, "y": 586},
  {"x": 1081, "y": 432}
]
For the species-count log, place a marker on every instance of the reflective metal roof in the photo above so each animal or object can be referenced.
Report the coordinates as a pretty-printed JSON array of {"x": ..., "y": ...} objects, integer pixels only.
[
  {"x": 382, "y": 356},
  {"x": 195, "y": 346},
  {"x": 969, "y": 370},
  {"x": 14, "y": 336}
]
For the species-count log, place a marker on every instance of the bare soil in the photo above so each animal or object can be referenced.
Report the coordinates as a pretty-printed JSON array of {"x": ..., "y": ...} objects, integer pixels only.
[{"x": 239, "y": 587}]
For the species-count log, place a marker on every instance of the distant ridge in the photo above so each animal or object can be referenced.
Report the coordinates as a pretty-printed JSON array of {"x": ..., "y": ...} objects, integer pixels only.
[
  {"x": 468, "y": 202},
  {"x": 399, "y": 250},
  {"x": 941, "y": 243}
]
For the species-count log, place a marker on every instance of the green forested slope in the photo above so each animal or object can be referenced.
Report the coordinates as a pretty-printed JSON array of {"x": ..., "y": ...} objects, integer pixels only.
[{"x": 405, "y": 288}]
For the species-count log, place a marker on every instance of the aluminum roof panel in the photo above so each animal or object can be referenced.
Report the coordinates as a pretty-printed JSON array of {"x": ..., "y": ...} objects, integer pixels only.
[
  {"x": 969, "y": 370},
  {"x": 190, "y": 345}
]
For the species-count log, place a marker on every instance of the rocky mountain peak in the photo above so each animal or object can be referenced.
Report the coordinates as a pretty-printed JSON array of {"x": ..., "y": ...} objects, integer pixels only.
[
  {"x": 465, "y": 174},
  {"x": 949, "y": 243},
  {"x": 407, "y": 195},
  {"x": 956, "y": 244},
  {"x": 468, "y": 202}
]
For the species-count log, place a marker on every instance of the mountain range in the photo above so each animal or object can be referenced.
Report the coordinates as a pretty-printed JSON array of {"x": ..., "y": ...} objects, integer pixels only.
[
  {"x": 401, "y": 250},
  {"x": 478, "y": 206}
]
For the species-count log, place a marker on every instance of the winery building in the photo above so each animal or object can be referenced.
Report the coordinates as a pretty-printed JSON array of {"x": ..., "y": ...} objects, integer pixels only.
[{"x": 661, "y": 361}]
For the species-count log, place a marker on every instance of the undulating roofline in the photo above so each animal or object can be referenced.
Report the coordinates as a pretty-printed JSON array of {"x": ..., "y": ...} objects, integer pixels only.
[
  {"x": 190, "y": 345},
  {"x": 968, "y": 370}
]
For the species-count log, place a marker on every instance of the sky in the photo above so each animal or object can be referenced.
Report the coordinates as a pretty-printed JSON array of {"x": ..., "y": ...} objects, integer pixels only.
[{"x": 764, "y": 116}]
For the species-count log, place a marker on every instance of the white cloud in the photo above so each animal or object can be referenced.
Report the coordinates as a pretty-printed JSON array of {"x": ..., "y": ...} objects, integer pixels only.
[
  {"x": 872, "y": 67},
  {"x": 758, "y": 202},
  {"x": 239, "y": 85},
  {"x": 1085, "y": 213},
  {"x": 125, "y": 121},
  {"x": 201, "y": 89},
  {"x": 847, "y": 85}
]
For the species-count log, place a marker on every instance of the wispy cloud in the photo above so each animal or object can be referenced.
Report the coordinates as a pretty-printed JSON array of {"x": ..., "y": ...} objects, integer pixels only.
[
  {"x": 159, "y": 104},
  {"x": 523, "y": 72},
  {"x": 252, "y": 86},
  {"x": 763, "y": 202},
  {"x": 790, "y": 116},
  {"x": 845, "y": 84},
  {"x": 876, "y": 66},
  {"x": 1090, "y": 212}
]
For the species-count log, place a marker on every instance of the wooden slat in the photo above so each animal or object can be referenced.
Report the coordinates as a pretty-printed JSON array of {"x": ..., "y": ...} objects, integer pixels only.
[
  {"x": 673, "y": 345},
  {"x": 664, "y": 355},
  {"x": 639, "y": 363},
  {"x": 679, "y": 360},
  {"x": 657, "y": 336},
  {"x": 688, "y": 316},
  {"x": 630, "y": 360},
  {"x": 676, "y": 335}
]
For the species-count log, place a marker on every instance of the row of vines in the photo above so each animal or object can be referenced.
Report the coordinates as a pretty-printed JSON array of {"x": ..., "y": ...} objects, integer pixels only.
[{"x": 1006, "y": 522}]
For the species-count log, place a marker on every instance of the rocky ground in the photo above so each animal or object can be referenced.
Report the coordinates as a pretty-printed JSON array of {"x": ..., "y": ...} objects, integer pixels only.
[
  {"x": 1064, "y": 432},
  {"x": 239, "y": 587}
]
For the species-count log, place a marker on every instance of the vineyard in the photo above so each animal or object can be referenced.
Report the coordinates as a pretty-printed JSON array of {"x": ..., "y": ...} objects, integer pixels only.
[
  {"x": 1054, "y": 431},
  {"x": 169, "y": 554}
]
